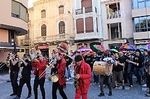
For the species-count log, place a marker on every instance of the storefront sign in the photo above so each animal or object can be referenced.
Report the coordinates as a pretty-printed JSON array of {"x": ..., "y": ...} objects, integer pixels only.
[
  {"x": 43, "y": 47},
  {"x": 142, "y": 41}
]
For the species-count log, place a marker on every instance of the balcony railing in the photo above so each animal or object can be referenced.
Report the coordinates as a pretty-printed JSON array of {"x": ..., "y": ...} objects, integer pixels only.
[
  {"x": 25, "y": 42},
  {"x": 79, "y": 11},
  {"x": 54, "y": 38},
  {"x": 86, "y": 10}
]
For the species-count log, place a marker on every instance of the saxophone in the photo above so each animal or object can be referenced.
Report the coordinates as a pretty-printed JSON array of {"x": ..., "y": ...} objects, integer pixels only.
[{"x": 76, "y": 81}]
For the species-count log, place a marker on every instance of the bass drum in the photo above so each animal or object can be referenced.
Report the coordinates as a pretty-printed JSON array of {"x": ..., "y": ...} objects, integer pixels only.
[{"x": 99, "y": 67}]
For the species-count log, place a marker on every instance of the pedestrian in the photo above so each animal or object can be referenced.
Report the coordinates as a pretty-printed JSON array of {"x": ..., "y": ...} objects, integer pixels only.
[
  {"x": 83, "y": 77},
  {"x": 14, "y": 69},
  {"x": 118, "y": 69},
  {"x": 59, "y": 69},
  {"x": 39, "y": 65},
  {"x": 148, "y": 75},
  {"x": 25, "y": 76}
]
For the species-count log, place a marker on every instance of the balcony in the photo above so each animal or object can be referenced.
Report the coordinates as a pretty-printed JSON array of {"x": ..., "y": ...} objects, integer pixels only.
[
  {"x": 25, "y": 42},
  {"x": 54, "y": 38},
  {"x": 85, "y": 10},
  {"x": 87, "y": 36}
]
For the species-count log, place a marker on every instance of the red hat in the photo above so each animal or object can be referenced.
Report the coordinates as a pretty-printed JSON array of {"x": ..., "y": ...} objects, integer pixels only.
[{"x": 62, "y": 48}]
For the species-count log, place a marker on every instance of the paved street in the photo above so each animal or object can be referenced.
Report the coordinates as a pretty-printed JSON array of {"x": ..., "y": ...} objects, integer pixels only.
[{"x": 134, "y": 93}]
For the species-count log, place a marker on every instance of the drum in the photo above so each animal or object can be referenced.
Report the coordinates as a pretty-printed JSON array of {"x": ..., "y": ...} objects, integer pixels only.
[{"x": 99, "y": 67}]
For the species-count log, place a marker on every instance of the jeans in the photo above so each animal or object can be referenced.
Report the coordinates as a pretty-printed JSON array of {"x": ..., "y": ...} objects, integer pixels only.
[
  {"x": 56, "y": 86},
  {"x": 41, "y": 83},
  {"x": 13, "y": 79},
  {"x": 108, "y": 82}
]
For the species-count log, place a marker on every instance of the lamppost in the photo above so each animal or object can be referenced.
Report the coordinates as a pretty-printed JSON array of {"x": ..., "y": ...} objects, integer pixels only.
[{"x": 13, "y": 43}]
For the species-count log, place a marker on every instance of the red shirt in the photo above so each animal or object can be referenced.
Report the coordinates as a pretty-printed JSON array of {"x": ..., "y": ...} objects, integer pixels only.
[{"x": 40, "y": 67}]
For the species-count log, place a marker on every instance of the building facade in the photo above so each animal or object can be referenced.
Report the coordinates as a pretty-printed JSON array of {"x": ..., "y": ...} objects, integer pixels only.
[
  {"x": 141, "y": 22},
  {"x": 87, "y": 22},
  {"x": 117, "y": 22},
  {"x": 13, "y": 22},
  {"x": 51, "y": 22}
]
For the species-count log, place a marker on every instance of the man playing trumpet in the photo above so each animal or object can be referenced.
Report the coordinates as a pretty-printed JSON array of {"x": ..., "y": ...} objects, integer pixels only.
[{"x": 25, "y": 76}]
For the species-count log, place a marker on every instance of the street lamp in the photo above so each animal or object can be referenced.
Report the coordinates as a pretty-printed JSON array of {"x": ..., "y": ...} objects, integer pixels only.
[{"x": 13, "y": 43}]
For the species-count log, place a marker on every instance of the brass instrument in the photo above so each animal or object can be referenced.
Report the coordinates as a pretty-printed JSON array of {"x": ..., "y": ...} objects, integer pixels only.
[
  {"x": 53, "y": 77},
  {"x": 76, "y": 81},
  {"x": 44, "y": 72}
]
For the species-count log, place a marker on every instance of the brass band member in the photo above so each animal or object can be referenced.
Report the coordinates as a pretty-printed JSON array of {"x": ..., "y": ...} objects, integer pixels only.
[
  {"x": 106, "y": 77},
  {"x": 39, "y": 65},
  {"x": 25, "y": 76},
  {"x": 59, "y": 68},
  {"x": 14, "y": 69},
  {"x": 83, "y": 77}
]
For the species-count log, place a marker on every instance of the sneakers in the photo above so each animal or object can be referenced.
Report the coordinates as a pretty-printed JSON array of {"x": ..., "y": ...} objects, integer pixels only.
[
  {"x": 144, "y": 85},
  {"x": 110, "y": 93},
  {"x": 16, "y": 97},
  {"x": 131, "y": 86},
  {"x": 115, "y": 87},
  {"x": 123, "y": 87},
  {"x": 28, "y": 96},
  {"x": 12, "y": 94},
  {"x": 101, "y": 94},
  {"x": 148, "y": 95}
]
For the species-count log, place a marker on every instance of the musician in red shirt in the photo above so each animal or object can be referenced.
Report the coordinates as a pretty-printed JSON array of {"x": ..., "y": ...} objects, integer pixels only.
[
  {"x": 39, "y": 65},
  {"x": 83, "y": 77},
  {"x": 59, "y": 69}
]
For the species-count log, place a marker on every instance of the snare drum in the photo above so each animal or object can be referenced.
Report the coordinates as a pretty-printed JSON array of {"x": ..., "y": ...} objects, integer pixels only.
[{"x": 99, "y": 67}]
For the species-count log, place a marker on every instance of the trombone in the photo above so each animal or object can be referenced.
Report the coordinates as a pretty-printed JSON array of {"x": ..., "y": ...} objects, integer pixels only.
[{"x": 47, "y": 66}]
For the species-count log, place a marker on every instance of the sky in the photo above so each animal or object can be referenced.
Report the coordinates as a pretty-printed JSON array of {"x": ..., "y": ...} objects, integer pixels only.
[{"x": 30, "y": 3}]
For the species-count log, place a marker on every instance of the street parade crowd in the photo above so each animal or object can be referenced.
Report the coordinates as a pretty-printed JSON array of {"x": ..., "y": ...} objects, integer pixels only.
[{"x": 107, "y": 68}]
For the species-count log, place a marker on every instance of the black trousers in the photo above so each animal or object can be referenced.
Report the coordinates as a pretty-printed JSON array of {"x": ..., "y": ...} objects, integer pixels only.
[
  {"x": 56, "y": 86},
  {"x": 25, "y": 79},
  {"x": 13, "y": 79},
  {"x": 41, "y": 83},
  {"x": 107, "y": 80}
]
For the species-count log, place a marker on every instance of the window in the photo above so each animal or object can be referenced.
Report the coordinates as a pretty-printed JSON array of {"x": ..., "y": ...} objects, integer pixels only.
[
  {"x": 89, "y": 24},
  {"x": 43, "y": 30},
  {"x": 113, "y": 10},
  {"x": 43, "y": 14},
  {"x": 61, "y": 9},
  {"x": 137, "y": 4},
  {"x": 142, "y": 24},
  {"x": 18, "y": 10},
  {"x": 80, "y": 26},
  {"x": 115, "y": 31},
  {"x": 61, "y": 27}
]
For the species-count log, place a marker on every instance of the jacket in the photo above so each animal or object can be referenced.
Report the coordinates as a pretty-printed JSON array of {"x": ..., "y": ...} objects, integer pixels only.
[
  {"x": 39, "y": 67},
  {"x": 85, "y": 77},
  {"x": 61, "y": 72}
]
